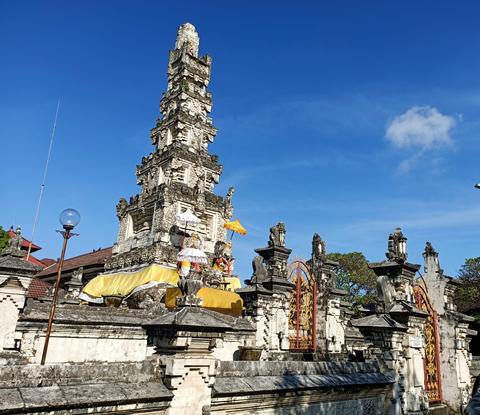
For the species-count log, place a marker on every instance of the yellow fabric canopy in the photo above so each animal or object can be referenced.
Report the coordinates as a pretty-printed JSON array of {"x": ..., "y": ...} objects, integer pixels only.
[
  {"x": 123, "y": 283},
  {"x": 233, "y": 283},
  {"x": 226, "y": 302}
]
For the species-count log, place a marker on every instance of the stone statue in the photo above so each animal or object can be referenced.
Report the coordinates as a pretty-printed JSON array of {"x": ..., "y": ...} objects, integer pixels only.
[
  {"x": 384, "y": 292},
  {"x": 228, "y": 209},
  {"x": 74, "y": 285},
  {"x": 223, "y": 260},
  {"x": 318, "y": 247},
  {"x": 189, "y": 286},
  {"x": 229, "y": 195},
  {"x": 212, "y": 278},
  {"x": 149, "y": 299},
  {"x": 193, "y": 241},
  {"x": 397, "y": 246},
  {"x": 77, "y": 275},
  {"x": 429, "y": 249},
  {"x": 122, "y": 208},
  {"x": 15, "y": 242},
  {"x": 259, "y": 270},
  {"x": 277, "y": 235}
]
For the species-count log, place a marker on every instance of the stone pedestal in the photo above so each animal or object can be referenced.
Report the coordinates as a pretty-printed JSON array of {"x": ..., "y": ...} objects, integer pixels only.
[{"x": 184, "y": 341}]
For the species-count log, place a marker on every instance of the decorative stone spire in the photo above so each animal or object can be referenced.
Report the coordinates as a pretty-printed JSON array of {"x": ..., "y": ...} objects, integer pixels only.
[
  {"x": 180, "y": 173},
  {"x": 187, "y": 38}
]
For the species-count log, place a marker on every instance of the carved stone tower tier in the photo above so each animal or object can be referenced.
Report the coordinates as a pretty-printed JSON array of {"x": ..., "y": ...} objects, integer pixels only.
[{"x": 179, "y": 173}]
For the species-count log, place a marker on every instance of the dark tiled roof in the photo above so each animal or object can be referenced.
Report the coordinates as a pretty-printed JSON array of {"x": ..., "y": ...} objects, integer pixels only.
[
  {"x": 17, "y": 263},
  {"x": 36, "y": 261},
  {"x": 379, "y": 321},
  {"x": 92, "y": 258},
  {"x": 38, "y": 288},
  {"x": 47, "y": 261}
]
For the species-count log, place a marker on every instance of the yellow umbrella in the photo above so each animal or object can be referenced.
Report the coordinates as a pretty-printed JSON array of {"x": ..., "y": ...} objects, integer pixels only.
[{"x": 235, "y": 226}]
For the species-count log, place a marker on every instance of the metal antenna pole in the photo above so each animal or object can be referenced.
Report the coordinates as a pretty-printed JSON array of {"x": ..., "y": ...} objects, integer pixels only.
[{"x": 42, "y": 186}]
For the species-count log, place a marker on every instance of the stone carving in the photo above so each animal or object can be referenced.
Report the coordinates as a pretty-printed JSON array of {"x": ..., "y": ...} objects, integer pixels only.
[
  {"x": 259, "y": 270},
  {"x": 318, "y": 248},
  {"x": 15, "y": 242},
  {"x": 397, "y": 246},
  {"x": 223, "y": 260},
  {"x": 122, "y": 206},
  {"x": 228, "y": 210},
  {"x": 385, "y": 293},
  {"x": 74, "y": 284},
  {"x": 212, "y": 278},
  {"x": 77, "y": 275},
  {"x": 277, "y": 235},
  {"x": 149, "y": 299},
  {"x": 429, "y": 249},
  {"x": 189, "y": 286},
  {"x": 193, "y": 241},
  {"x": 187, "y": 38}
]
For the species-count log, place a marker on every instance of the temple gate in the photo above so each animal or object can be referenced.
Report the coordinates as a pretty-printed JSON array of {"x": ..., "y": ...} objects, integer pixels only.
[
  {"x": 302, "y": 313},
  {"x": 433, "y": 383}
]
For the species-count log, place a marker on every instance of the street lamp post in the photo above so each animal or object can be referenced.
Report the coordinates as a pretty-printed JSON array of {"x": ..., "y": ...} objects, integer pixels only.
[{"x": 69, "y": 218}]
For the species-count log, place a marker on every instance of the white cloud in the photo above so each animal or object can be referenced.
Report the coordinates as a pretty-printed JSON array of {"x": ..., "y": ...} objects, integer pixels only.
[{"x": 423, "y": 127}]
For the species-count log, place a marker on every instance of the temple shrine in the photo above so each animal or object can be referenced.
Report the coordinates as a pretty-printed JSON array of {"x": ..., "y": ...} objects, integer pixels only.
[{"x": 161, "y": 324}]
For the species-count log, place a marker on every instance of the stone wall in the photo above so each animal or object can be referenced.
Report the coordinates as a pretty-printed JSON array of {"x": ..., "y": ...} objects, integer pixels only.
[
  {"x": 83, "y": 388},
  {"x": 82, "y": 334},
  {"x": 300, "y": 388}
]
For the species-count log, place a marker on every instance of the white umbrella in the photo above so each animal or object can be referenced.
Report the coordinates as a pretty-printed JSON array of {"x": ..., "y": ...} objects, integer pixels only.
[
  {"x": 192, "y": 255},
  {"x": 188, "y": 217}
]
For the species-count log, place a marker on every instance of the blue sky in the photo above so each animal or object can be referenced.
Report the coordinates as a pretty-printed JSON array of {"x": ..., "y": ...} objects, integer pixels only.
[{"x": 347, "y": 120}]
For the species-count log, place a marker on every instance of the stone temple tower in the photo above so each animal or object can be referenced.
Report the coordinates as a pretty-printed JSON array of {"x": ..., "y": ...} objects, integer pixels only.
[{"x": 180, "y": 173}]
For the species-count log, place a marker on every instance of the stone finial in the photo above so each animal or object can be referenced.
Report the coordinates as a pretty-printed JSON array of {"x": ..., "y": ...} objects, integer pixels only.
[
  {"x": 430, "y": 257},
  {"x": 397, "y": 246},
  {"x": 187, "y": 37}
]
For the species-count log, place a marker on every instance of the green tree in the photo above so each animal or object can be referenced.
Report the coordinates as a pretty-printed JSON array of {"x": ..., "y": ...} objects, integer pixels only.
[
  {"x": 468, "y": 294},
  {"x": 4, "y": 237},
  {"x": 354, "y": 276}
]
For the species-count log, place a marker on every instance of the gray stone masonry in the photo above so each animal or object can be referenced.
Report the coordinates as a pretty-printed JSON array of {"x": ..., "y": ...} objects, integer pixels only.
[{"x": 83, "y": 388}]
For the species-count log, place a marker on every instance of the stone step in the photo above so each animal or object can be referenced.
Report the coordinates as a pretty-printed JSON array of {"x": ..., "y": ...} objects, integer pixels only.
[{"x": 438, "y": 409}]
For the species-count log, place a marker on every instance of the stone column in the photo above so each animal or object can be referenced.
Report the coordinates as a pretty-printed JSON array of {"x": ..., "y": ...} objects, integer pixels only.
[
  {"x": 402, "y": 323},
  {"x": 184, "y": 342},
  {"x": 267, "y": 296},
  {"x": 453, "y": 329}
]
